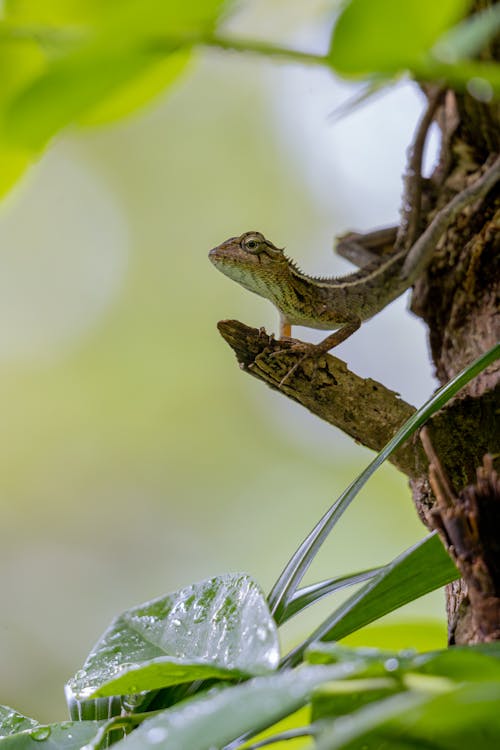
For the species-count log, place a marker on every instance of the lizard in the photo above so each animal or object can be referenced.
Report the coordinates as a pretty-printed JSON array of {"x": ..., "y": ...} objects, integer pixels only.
[{"x": 336, "y": 303}]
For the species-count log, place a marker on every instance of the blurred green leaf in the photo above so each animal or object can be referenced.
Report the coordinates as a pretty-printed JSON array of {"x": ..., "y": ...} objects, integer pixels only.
[
  {"x": 346, "y": 696},
  {"x": 472, "y": 663},
  {"x": 420, "y": 569},
  {"x": 21, "y": 60},
  {"x": 58, "y": 12},
  {"x": 215, "y": 718},
  {"x": 220, "y": 627},
  {"x": 468, "y": 37},
  {"x": 65, "y": 736},
  {"x": 130, "y": 17},
  {"x": 480, "y": 79},
  {"x": 388, "y": 35},
  {"x": 13, "y": 162},
  {"x": 12, "y": 722},
  {"x": 455, "y": 718},
  {"x": 430, "y": 674},
  {"x": 71, "y": 86},
  {"x": 139, "y": 90},
  {"x": 119, "y": 65},
  {"x": 460, "y": 663}
]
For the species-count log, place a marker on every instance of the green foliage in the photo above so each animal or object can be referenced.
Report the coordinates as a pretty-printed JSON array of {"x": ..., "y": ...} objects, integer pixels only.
[
  {"x": 12, "y": 722},
  {"x": 443, "y": 699},
  {"x": 84, "y": 62},
  {"x": 423, "y": 568},
  {"x": 67, "y": 735},
  {"x": 89, "y": 62},
  {"x": 175, "y": 659},
  {"x": 284, "y": 589},
  {"x": 222, "y": 630},
  {"x": 389, "y": 36}
]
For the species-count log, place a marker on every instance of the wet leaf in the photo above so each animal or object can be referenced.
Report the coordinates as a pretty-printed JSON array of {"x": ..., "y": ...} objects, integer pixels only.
[
  {"x": 454, "y": 718},
  {"x": 224, "y": 714},
  {"x": 65, "y": 736},
  {"x": 12, "y": 722},
  {"x": 220, "y": 628}
]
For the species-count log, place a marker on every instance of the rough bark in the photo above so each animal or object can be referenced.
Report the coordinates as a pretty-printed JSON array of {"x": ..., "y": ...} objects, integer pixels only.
[
  {"x": 362, "y": 408},
  {"x": 459, "y": 299}
]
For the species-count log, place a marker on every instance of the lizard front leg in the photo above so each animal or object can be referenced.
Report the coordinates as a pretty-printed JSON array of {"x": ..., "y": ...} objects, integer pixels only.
[
  {"x": 285, "y": 328},
  {"x": 314, "y": 351}
]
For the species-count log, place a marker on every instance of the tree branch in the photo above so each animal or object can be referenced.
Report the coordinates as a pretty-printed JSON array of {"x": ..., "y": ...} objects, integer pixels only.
[{"x": 362, "y": 408}]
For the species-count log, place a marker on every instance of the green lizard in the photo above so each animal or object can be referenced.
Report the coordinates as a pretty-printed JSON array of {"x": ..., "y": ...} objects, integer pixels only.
[{"x": 336, "y": 303}]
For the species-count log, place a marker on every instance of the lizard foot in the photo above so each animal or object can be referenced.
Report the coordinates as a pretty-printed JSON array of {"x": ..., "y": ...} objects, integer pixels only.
[{"x": 310, "y": 351}]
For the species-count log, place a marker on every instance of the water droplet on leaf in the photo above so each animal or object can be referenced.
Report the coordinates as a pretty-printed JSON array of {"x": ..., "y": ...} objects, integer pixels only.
[
  {"x": 156, "y": 735},
  {"x": 391, "y": 664},
  {"x": 40, "y": 734}
]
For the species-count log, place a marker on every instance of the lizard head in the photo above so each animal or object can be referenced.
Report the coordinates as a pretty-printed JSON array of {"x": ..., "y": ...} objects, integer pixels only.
[{"x": 252, "y": 261}]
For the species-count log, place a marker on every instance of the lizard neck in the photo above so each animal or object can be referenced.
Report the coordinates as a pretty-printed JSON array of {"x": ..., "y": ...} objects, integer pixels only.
[{"x": 334, "y": 301}]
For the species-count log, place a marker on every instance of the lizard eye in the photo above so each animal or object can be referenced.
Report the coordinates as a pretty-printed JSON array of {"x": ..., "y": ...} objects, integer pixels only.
[{"x": 251, "y": 244}]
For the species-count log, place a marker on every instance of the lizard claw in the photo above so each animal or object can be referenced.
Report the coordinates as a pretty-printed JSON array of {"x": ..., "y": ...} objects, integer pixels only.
[{"x": 310, "y": 352}]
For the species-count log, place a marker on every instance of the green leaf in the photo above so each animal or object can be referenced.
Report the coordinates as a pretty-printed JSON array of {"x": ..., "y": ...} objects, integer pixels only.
[
  {"x": 346, "y": 696},
  {"x": 213, "y": 719},
  {"x": 388, "y": 35},
  {"x": 12, "y": 722},
  {"x": 469, "y": 37},
  {"x": 58, "y": 13},
  {"x": 66, "y": 736},
  {"x": 384, "y": 672},
  {"x": 138, "y": 91},
  {"x": 290, "y": 578},
  {"x": 479, "y": 662},
  {"x": 118, "y": 65},
  {"x": 71, "y": 86},
  {"x": 13, "y": 163},
  {"x": 459, "y": 717},
  {"x": 220, "y": 628},
  {"x": 374, "y": 659},
  {"x": 420, "y": 569},
  {"x": 308, "y": 595},
  {"x": 480, "y": 79},
  {"x": 130, "y": 17}
]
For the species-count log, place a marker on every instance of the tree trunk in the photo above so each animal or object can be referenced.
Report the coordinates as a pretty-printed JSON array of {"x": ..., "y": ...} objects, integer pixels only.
[{"x": 459, "y": 299}]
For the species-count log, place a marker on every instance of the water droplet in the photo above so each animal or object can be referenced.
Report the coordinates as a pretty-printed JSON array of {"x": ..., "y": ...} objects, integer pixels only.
[
  {"x": 156, "y": 735},
  {"x": 261, "y": 633},
  {"x": 40, "y": 733},
  {"x": 480, "y": 89},
  {"x": 391, "y": 664},
  {"x": 80, "y": 674}
]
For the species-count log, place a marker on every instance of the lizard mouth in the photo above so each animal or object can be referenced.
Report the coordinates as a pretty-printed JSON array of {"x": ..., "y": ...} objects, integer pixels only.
[{"x": 220, "y": 256}]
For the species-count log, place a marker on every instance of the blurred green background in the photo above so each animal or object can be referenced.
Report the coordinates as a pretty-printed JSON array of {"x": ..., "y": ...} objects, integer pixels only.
[{"x": 135, "y": 455}]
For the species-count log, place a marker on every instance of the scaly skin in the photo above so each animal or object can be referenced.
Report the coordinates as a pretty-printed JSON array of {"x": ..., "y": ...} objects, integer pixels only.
[
  {"x": 336, "y": 303},
  {"x": 261, "y": 267}
]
